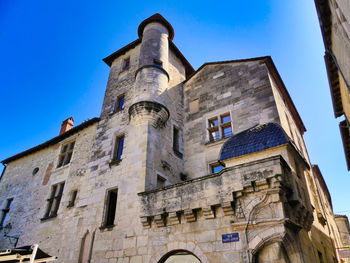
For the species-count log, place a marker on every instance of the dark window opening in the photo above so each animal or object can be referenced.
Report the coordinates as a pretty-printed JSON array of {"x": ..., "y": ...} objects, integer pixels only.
[
  {"x": 120, "y": 103},
  {"x": 5, "y": 212},
  {"x": 111, "y": 207},
  {"x": 118, "y": 148},
  {"x": 215, "y": 168},
  {"x": 72, "y": 198},
  {"x": 158, "y": 62},
  {"x": 126, "y": 64},
  {"x": 53, "y": 202},
  {"x": 176, "y": 142},
  {"x": 160, "y": 181},
  {"x": 320, "y": 257},
  {"x": 66, "y": 154},
  {"x": 35, "y": 171}
]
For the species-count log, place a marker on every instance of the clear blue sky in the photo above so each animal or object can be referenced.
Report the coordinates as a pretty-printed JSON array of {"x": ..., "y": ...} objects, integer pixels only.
[{"x": 51, "y": 65}]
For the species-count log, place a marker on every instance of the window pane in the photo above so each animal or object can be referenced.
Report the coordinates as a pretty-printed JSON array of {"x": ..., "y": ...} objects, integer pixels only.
[
  {"x": 120, "y": 147},
  {"x": 111, "y": 208},
  {"x": 214, "y": 135},
  {"x": 215, "y": 168},
  {"x": 213, "y": 122},
  {"x": 226, "y": 131},
  {"x": 121, "y": 101},
  {"x": 225, "y": 118}
]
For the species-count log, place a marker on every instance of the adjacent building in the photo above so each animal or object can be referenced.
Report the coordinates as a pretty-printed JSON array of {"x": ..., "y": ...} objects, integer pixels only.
[
  {"x": 181, "y": 166},
  {"x": 334, "y": 17}
]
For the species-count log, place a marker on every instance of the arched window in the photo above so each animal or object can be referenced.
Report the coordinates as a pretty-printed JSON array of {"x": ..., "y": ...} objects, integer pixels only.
[
  {"x": 85, "y": 248},
  {"x": 179, "y": 256}
]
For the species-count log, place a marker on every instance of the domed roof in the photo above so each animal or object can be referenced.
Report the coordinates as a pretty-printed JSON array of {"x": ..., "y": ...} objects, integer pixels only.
[{"x": 255, "y": 139}]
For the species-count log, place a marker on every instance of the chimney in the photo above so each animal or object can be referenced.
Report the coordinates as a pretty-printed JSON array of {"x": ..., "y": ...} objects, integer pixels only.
[{"x": 66, "y": 125}]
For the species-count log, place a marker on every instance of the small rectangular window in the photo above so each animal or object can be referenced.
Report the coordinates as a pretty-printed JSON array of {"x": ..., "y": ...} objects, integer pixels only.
[
  {"x": 213, "y": 122},
  {"x": 5, "y": 212},
  {"x": 158, "y": 62},
  {"x": 120, "y": 103},
  {"x": 215, "y": 168},
  {"x": 73, "y": 196},
  {"x": 54, "y": 200},
  {"x": 118, "y": 148},
  {"x": 176, "y": 138},
  {"x": 160, "y": 181},
  {"x": 126, "y": 64},
  {"x": 110, "y": 208},
  {"x": 66, "y": 154},
  {"x": 225, "y": 118}
]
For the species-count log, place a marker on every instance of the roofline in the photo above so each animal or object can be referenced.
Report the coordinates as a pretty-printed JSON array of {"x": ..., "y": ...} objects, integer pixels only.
[
  {"x": 53, "y": 141},
  {"x": 273, "y": 70},
  {"x": 188, "y": 67},
  {"x": 323, "y": 184}
]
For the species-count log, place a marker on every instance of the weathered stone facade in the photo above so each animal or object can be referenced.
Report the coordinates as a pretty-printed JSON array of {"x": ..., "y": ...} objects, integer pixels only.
[{"x": 144, "y": 173}]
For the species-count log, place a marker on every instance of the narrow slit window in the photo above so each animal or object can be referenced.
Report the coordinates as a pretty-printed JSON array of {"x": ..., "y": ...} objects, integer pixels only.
[
  {"x": 118, "y": 148},
  {"x": 158, "y": 62},
  {"x": 5, "y": 212},
  {"x": 126, "y": 63},
  {"x": 111, "y": 207},
  {"x": 120, "y": 102},
  {"x": 176, "y": 145},
  {"x": 72, "y": 199}
]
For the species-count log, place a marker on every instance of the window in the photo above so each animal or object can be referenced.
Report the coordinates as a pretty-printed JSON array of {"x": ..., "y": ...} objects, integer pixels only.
[
  {"x": 54, "y": 200},
  {"x": 157, "y": 62},
  {"x": 110, "y": 208},
  {"x": 66, "y": 154},
  {"x": 215, "y": 168},
  {"x": 176, "y": 142},
  {"x": 5, "y": 212},
  {"x": 160, "y": 181},
  {"x": 219, "y": 127},
  {"x": 73, "y": 196},
  {"x": 35, "y": 171},
  {"x": 126, "y": 64},
  {"x": 120, "y": 103},
  {"x": 118, "y": 148}
]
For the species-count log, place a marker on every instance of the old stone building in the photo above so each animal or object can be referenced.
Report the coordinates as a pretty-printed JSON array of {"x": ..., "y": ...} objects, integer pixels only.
[
  {"x": 181, "y": 166},
  {"x": 334, "y": 17}
]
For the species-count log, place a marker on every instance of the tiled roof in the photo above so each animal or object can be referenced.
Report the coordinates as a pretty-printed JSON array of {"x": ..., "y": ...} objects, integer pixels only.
[{"x": 255, "y": 139}]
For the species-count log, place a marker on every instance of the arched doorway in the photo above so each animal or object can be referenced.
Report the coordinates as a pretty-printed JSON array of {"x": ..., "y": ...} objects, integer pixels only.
[
  {"x": 272, "y": 253},
  {"x": 179, "y": 256}
]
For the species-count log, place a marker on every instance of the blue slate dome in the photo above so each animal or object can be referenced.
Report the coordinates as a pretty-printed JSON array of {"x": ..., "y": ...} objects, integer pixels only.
[{"x": 255, "y": 139}]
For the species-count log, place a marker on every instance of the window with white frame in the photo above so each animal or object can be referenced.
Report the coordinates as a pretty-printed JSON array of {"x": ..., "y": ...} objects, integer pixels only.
[{"x": 219, "y": 127}]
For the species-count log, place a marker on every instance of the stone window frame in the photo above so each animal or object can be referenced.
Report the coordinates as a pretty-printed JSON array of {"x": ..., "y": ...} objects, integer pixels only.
[
  {"x": 177, "y": 146},
  {"x": 119, "y": 103},
  {"x": 54, "y": 200},
  {"x": 216, "y": 127},
  {"x": 213, "y": 165},
  {"x": 116, "y": 156},
  {"x": 125, "y": 64},
  {"x": 66, "y": 154},
  {"x": 107, "y": 216},
  {"x": 6, "y": 211},
  {"x": 72, "y": 198}
]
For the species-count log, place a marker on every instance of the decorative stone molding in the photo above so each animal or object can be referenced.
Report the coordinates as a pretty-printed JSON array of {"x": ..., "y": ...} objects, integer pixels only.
[
  {"x": 160, "y": 220},
  {"x": 157, "y": 113},
  {"x": 190, "y": 215},
  {"x": 174, "y": 218},
  {"x": 209, "y": 212},
  {"x": 227, "y": 208}
]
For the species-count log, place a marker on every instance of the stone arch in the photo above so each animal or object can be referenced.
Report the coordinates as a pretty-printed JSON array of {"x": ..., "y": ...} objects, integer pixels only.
[
  {"x": 86, "y": 247},
  {"x": 172, "y": 247},
  {"x": 283, "y": 240},
  {"x": 191, "y": 258}
]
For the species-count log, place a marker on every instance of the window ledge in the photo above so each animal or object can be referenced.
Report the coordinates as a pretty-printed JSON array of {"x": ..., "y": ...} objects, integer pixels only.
[
  {"x": 106, "y": 228},
  {"x": 115, "y": 162},
  {"x": 62, "y": 167},
  {"x": 48, "y": 217},
  {"x": 116, "y": 111},
  {"x": 209, "y": 143}
]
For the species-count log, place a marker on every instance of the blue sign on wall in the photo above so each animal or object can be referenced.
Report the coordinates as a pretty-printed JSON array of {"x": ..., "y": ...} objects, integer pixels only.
[{"x": 226, "y": 238}]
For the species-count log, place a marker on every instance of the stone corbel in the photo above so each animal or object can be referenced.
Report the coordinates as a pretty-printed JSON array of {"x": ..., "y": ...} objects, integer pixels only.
[
  {"x": 174, "y": 218},
  {"x": 208, "y": 212},
  {"x": 146, "y": 221},
  {"x": 190, "y": 215},
  {"x": 160, "y": 220},
  {"x": 227, "y": 208}
]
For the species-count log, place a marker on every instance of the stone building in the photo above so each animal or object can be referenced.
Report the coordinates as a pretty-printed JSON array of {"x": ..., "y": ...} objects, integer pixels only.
[
  {"x": 181, "y": 166},
  {"x": 334, "y": 17}
]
